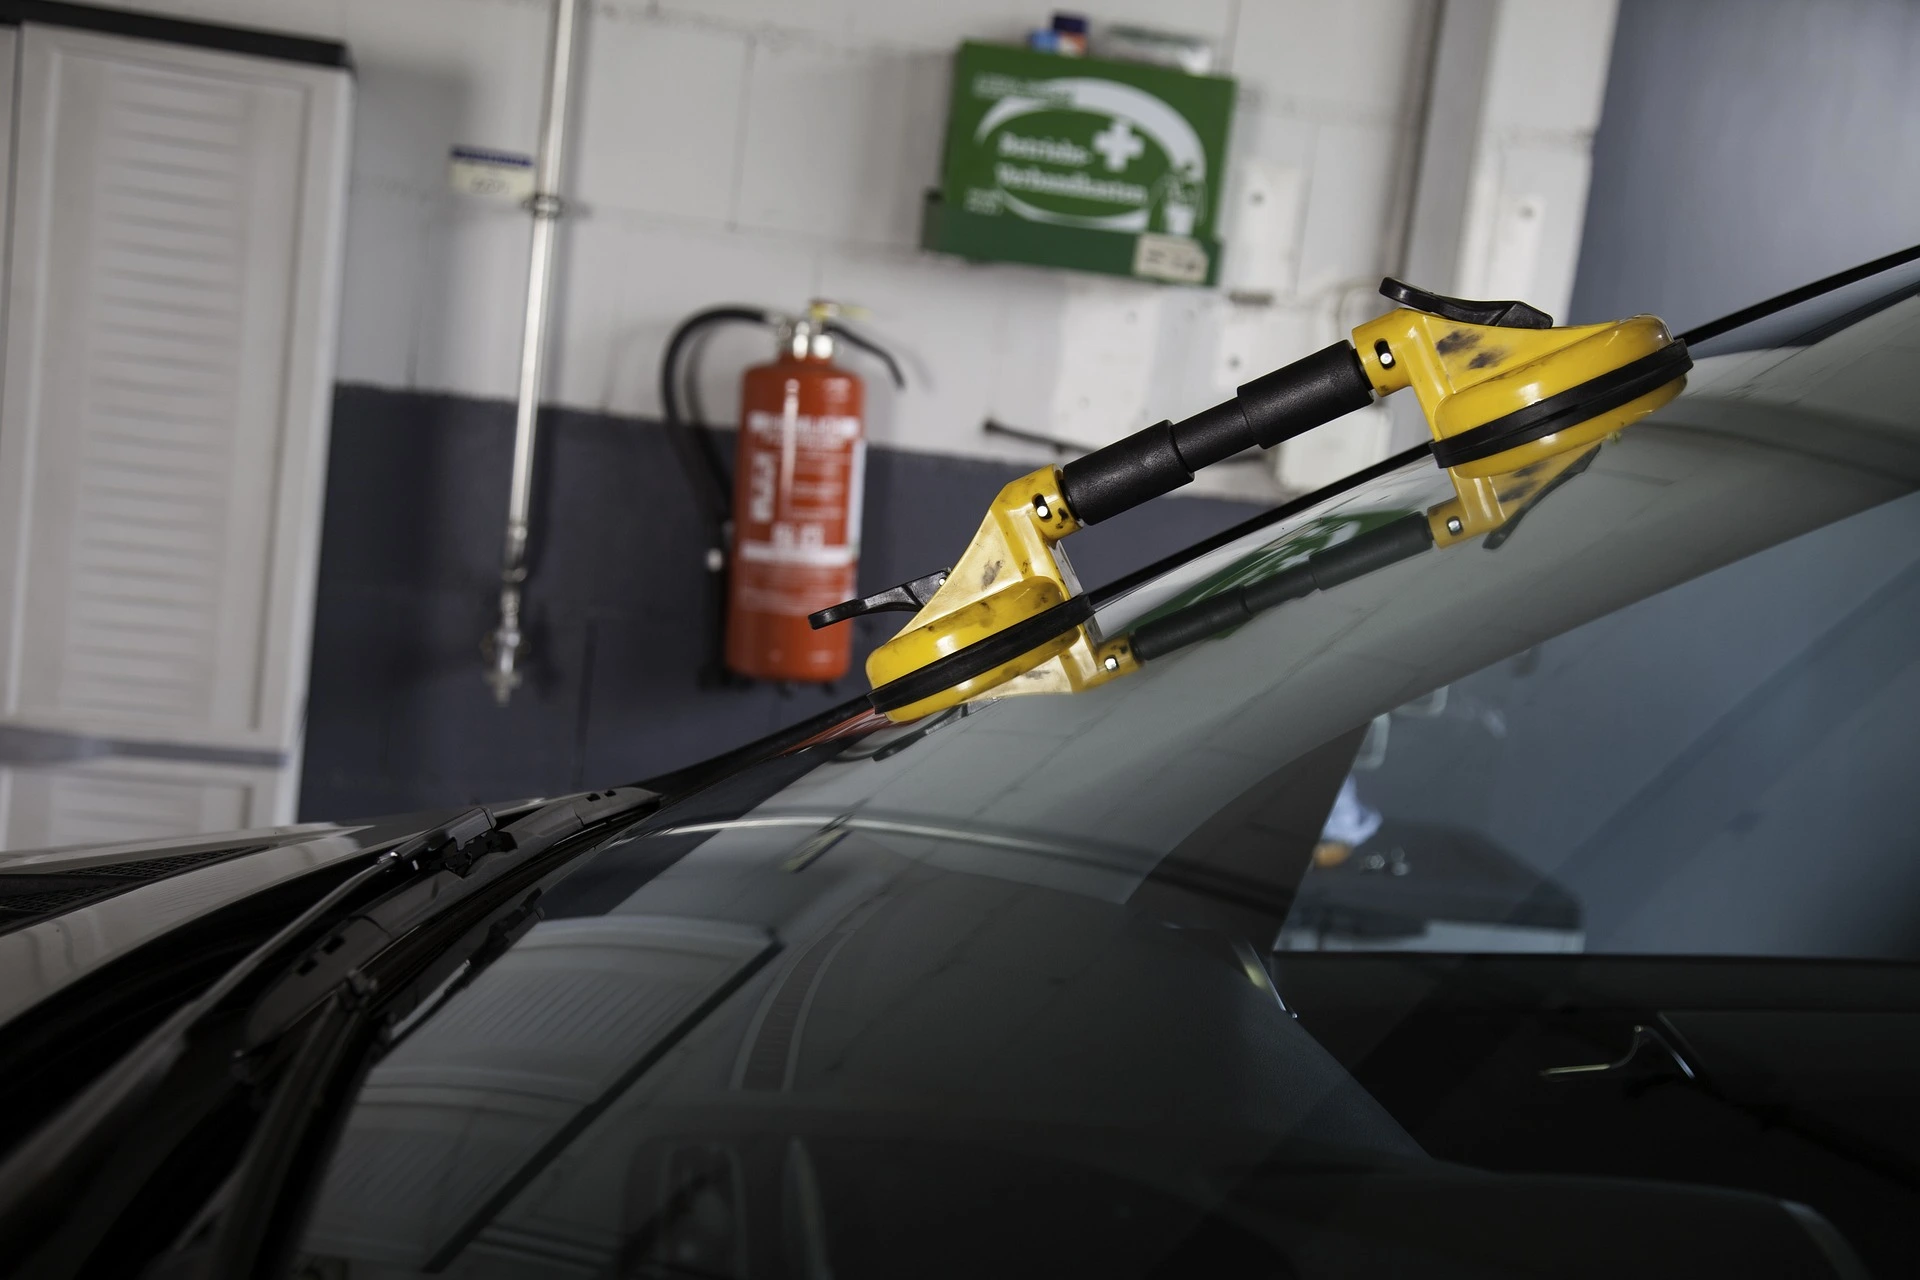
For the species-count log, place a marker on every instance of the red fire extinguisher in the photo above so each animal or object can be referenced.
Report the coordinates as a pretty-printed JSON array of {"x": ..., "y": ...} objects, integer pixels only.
[
  {"x": 798, "y": 480},
  {"x": 785, "y": 529}
]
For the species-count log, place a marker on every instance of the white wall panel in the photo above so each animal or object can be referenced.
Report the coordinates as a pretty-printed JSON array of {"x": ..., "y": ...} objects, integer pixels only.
[
  {"x": 389, "y": 230},
  {"x": 1327, "y": 60},
  {"x": 1552, "y": 62},
  {"x": 1269, "y": 176},
  {"x": 659, "y": 112},
  {"x": 841, "y": 143},
  {"x": 831, "y": 18},
  {"x": 433, "y": 74},
  {"x": 1527, "y": 210},
  {"x": 473, "y": 297},
  {"x": 629, "y": 280},
  {"x": 1525, "y": 224},
  {"x": 954, "y": 354},
  {"x": 1344, "y": 235}
]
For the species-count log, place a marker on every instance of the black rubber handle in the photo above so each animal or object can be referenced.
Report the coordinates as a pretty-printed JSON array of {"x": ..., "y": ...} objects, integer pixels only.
[
  {"x": 1358, "y": 556},
  {"x": 1264, "y": 412}
]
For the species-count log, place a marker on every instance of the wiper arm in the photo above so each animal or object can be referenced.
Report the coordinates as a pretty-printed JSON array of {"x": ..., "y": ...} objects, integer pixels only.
[
  {"x": 455, "y": 865},
  {"x": 469, "y": 881},
  {"x": 477, "y": 893}
]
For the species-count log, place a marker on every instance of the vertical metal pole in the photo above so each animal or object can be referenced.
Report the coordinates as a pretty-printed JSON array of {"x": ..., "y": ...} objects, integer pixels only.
[{"x": 506, "y": 645}]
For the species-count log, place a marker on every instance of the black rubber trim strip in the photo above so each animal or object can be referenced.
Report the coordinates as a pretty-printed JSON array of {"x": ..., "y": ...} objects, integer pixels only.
[
  {"x": 982, "y": 656},
  {"x": 1847, "y": 319},
  {"x": 1569, "y": 408},
  {"x": 1253, "y": 524},
  {"x": 685, "y": 781},
  {"x": 1378, "y": 548},
  {"x": 200, "y": 35},
  {"x": 1794, "y": 297}
]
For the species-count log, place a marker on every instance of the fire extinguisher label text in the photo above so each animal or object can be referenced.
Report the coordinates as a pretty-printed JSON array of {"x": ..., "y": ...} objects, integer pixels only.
[
  {"x": 763, "y": 479},
  {"x": 806, "y": 432},
  {"x": 797, "y": 519}
]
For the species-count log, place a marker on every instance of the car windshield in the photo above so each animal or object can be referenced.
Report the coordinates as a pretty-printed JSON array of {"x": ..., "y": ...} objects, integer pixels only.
[{"x": 1258, "y": 961}]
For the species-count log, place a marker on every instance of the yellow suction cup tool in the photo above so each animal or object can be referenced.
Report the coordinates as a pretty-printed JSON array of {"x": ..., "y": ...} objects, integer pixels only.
[
  {"x": 1512, "y": 400},
  {"x": 1007, "y": 618},
  {"x": 1516, "y": 407}
]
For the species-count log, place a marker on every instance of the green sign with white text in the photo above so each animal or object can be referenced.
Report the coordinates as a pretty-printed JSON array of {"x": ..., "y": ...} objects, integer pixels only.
[{"x": 1073, "y": 162}]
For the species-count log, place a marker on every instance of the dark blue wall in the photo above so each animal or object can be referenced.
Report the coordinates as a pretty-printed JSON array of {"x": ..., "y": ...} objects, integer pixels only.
[
  {"x": 416, "y": 495},
  {"x": 1746, "y": 147}
]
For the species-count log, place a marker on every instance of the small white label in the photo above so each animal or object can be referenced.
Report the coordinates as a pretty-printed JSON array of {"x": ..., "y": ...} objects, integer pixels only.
[
  {"x": 1175, "y": 258},
  {"x": 499, "y": 175}
]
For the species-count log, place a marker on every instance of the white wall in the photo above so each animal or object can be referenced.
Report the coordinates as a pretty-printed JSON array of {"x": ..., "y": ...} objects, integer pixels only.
[
  {"x": 1545, "y": 82},
  {"x": 769, "y": 151}
]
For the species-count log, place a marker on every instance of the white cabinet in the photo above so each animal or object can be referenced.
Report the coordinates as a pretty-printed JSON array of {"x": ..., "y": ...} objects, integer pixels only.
[{"x": 173, "y": 256}]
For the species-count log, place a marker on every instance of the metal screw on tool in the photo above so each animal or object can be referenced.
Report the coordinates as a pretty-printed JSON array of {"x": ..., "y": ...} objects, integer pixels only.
[
  {"x": 1041, "y": 509},
  {"x": 1453, "y": 524},
  {"x": 1112, "y": 663}
]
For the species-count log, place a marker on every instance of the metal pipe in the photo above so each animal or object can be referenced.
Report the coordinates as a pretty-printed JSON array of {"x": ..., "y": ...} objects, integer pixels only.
[{"x": 507, "y": 644}]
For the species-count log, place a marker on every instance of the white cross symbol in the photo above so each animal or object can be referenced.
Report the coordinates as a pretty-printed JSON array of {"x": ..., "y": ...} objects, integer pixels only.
[{"x": 1118, "y": 144}]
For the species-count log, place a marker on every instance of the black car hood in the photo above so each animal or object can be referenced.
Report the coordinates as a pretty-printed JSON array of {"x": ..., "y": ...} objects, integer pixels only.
[
  {"x": 694, "y": 987},
  {"x": 68, "y": 913}
]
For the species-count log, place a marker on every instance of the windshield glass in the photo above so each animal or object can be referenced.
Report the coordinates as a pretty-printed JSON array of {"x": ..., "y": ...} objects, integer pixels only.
[{"x": 1031, "y": 980}]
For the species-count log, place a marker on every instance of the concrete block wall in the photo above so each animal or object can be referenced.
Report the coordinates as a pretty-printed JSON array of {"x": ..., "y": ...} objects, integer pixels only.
[
  {"x": 769, "y": 152},
  {"x": 773, "y": 150}
]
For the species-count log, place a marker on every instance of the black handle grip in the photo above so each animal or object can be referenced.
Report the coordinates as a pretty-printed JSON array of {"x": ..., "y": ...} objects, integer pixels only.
[
  {"x": 1505, "y": 314},
  {"x": 1264, "y": 412}
]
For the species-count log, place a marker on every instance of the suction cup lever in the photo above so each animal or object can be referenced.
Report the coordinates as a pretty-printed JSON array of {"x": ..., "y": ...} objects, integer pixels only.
[
  {"x": 910, "y": 597},
  {"x": 1500, "y": 315}
]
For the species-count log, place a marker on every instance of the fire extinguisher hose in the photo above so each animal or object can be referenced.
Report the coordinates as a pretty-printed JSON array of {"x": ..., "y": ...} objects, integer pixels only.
[
  {"x": 706, "y": 474},
  {"x": 872, "y": 348}
]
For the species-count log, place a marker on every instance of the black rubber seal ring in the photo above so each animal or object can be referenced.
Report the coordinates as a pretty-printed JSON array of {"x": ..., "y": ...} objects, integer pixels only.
[
  {"x": 1569, "y": 408},
  {"x": 982, "y": 656}
]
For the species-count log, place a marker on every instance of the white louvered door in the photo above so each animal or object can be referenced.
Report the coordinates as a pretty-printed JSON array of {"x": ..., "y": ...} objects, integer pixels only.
[{"x": 172, "y": 273}]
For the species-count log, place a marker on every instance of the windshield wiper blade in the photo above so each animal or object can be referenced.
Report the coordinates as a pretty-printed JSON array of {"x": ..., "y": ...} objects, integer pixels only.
[
  {"x": 455, "y": 864},
  {"x": 477, "y": 893},
  {"x": 93, "y": 1164}
]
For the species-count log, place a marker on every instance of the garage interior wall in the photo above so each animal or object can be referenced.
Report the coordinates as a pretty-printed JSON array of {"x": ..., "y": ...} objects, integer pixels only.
[{"x": 760, "y": 152}]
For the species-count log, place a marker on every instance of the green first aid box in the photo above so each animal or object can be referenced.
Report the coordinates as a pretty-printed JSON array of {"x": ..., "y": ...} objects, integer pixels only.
[{"x": 1077, "y": 162}]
